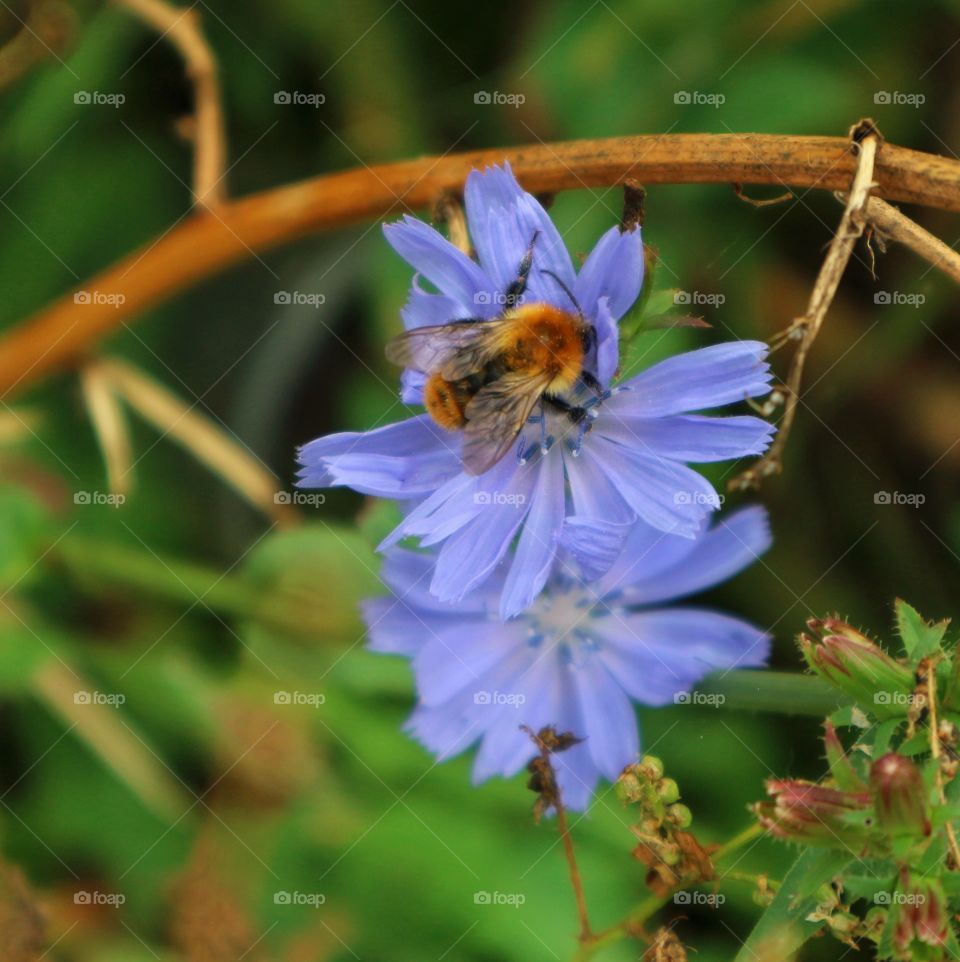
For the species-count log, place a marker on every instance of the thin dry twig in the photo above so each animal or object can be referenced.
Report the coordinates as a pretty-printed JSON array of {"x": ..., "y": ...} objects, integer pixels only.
[
  {"x": 894, "y": 225},
  {"x": 544, "y": 781},
  {"x": 200, "y": 437},
  {"x": 762, "y": 201},
  {"x": 182, "y": 27},
  {"x": 110, "y": 426},
  {"x": 202, "y": 245},
  {"x": 866, "y": 140}
]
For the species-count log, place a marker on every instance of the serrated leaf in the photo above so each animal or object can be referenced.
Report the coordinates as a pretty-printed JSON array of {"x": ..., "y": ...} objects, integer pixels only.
[
  {"x": 849, "y": 716},
  {"x": 783, "y": 927},
  {"x": 885, "y": 732},
  {"x": 920, "y": 638}
]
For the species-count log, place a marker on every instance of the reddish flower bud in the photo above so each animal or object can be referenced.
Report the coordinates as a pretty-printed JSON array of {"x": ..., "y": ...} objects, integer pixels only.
[
  {"x": 810, "y": 813},
  {"x": 849, "y": 660},
  {"x": 899, "y": 796},
  {"x": 920, "y": 916}
]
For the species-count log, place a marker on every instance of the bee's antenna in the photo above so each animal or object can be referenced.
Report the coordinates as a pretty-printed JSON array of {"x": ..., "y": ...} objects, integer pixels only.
[{"x": 566, "y": 291}]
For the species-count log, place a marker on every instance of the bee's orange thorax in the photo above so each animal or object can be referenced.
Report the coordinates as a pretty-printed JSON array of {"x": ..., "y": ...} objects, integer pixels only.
[{"x": 540, "y": 337}]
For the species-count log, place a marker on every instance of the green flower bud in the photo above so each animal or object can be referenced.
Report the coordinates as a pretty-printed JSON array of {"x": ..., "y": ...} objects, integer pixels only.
[
  {"x": 668, "y": 790},
  {"x": 850, "y": 661}
]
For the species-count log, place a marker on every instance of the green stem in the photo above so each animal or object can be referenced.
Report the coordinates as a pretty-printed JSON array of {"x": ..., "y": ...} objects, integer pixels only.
[
  {"x": 150, "y": 574},
  {"x": 638, "y": 917},
  {"x": 773, "y": 691}
]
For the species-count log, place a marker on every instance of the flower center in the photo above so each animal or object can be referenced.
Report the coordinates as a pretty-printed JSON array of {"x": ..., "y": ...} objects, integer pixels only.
[
  {"x": 562, "y": 618},
  {"x": 564, "y": 419}
]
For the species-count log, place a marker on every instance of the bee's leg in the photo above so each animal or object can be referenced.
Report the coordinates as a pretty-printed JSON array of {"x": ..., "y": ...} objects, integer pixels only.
[
  {"x": 544, "y": 440},
  {"x": 515, "y": 291}
]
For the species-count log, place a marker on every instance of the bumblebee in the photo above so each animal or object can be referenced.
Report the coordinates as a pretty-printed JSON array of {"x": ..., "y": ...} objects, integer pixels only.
[{"x": 486, "y": 376}]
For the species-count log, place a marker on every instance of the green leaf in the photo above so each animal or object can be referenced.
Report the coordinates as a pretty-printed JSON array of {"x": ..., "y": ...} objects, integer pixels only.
[
  {"x": 885, "y": 732},
  {"x": 783, "y": 927},
  {"x": 920, "y": 638}
]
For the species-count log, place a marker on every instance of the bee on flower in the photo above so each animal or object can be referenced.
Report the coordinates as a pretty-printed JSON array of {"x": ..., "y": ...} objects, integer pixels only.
[{"x": 527, "y": 439}]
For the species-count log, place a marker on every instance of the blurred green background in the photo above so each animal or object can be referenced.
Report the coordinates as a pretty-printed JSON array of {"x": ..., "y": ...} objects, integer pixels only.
[{"x": 192, "y": 794}]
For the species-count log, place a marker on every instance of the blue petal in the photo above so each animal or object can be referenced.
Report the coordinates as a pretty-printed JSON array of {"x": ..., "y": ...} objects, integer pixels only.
[
  {"x": 608, "y": 343},
  {"x": 468, "y": 557},
  {"x": 658, "y": 654},
  {"x": 646, "y": 552},
  {"x": 611, "y": 725},
  {"x": 503, "y": 219},
  {"x": 411, "y": 386},
  {"x": 694, "y": 437},
  {"x": 407, "y": 574},
  {"x": 445, "y": 266},
  {"x": 403, "y": 460},
  {"x": 695, "y": 381},
  {"x": 424, "y": 309},
  {"x": 726, "y": 549},
  {"x": 537, "y": 546},
  {"x": 613, "y": 270},
  {"x": 506, "y": 747},
  {"x": 593, "y": 543},
  {"x": 669, "y": 496},
  {"x": 592, "y": 493},
  {"x": 457, "y": 654}
]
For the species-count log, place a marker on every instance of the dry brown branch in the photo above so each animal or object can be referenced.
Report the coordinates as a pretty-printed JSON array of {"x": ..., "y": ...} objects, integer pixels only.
[
  {"x": 201, "y": 438},
  {"x": 866, "y": 139},
  {"x": 182, "y": 27},
  {"x": 206, "y": 243},
  {"x": 893, "y": 225}
]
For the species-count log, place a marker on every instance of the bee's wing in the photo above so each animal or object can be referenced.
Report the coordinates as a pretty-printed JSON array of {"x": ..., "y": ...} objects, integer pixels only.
[
  {"x": 454, "y": 350},
  {"x": 495, "y": 416}
]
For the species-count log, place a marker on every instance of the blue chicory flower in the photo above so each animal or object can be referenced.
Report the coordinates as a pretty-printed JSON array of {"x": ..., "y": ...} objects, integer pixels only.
[
  {"x": 577, "y": 487},
  {"x": 576, "y": 658}
]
